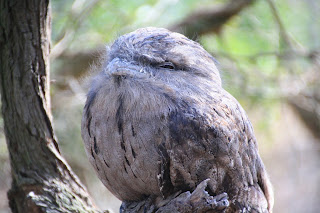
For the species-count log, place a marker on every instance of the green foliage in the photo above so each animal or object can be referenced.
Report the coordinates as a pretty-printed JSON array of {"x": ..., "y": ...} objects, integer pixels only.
[{"x": 96, "y": 22}]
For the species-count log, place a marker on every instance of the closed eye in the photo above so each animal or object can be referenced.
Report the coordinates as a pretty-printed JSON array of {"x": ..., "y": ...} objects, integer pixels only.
[{"x": 167, "y": 65}]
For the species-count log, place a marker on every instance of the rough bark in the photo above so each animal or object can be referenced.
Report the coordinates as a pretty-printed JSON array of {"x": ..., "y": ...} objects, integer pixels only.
[
  {"x": 210, "y": 19},
  {"x": 41, "y": 179}
]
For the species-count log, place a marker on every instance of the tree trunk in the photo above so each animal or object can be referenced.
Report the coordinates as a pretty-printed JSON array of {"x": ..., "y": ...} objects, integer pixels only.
[{"x": 41, "y": 179}]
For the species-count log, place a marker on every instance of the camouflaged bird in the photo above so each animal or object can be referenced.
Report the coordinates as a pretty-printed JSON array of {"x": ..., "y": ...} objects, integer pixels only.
[{"x": 158, "y": 122}]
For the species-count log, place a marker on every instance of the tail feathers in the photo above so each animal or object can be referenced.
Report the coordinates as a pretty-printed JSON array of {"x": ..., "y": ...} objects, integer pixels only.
[
  {"x": 252, "y": 200},
  {"x": 265, "y": 185}
]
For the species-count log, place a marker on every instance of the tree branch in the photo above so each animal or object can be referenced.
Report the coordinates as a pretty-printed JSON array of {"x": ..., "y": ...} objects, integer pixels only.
[
  {"x": 209, "y": 20},
  {"x": 283, "y": 33},
  {"x": 67, "y": 33}
]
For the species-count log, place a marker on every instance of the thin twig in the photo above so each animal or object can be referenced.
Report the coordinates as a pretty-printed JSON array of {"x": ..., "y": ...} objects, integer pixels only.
[
  {"x": 283, "y": 33},
  {"x": 69, "y": 29}
]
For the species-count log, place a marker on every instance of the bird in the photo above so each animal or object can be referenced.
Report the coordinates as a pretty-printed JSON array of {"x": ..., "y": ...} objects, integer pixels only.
[{"x": 157, "y": 121}]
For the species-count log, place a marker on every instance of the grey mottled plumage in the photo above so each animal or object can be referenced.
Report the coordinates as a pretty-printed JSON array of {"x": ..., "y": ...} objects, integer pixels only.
[{"x": 157, "y": 121}]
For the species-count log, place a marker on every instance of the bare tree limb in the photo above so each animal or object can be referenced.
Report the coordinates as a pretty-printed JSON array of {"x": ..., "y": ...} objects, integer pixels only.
[
  {"x": 307, "y": 106},
  {"x": 282, "y": 31},
  {"x": 209, "y": 20},
  {"x": 68, "y": 31}
]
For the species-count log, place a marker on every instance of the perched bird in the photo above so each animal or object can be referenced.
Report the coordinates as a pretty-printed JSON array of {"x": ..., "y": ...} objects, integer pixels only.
[{"x": 157, "y": 121}]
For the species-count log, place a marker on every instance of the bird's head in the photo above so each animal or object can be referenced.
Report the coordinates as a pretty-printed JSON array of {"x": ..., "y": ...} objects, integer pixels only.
[
  {"x": 160, "y": 54},
  {"x": 156, "y": 65}
]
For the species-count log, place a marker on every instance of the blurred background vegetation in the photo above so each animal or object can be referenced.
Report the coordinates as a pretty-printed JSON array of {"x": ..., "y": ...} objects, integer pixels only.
[{"x": 269, "y": 56}]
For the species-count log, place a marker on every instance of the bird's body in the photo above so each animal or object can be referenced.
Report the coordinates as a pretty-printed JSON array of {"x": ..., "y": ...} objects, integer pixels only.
[{"x": 157, "y": 121}]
